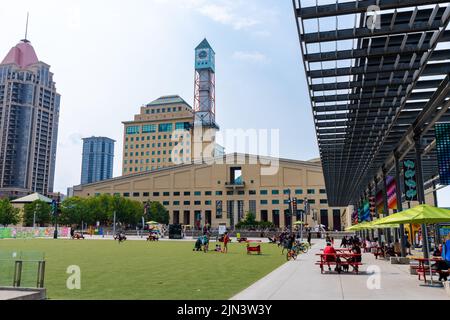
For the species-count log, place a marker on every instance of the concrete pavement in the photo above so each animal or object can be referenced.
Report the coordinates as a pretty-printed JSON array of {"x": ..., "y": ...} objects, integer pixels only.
[{"x": 302, "y": 280}]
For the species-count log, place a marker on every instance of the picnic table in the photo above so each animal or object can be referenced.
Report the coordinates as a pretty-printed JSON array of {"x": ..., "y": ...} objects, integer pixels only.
[
  {"x": 342, "y": 250},
  {"x": 346, "y": 259},
  {"x": 254, "y": 246},
  {"x": 378, "y": 252},
  {"x": 423, "y": 269}
]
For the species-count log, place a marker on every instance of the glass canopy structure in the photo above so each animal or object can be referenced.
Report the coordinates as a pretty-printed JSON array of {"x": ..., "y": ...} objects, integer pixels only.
[{"x": 378, "y": 74}]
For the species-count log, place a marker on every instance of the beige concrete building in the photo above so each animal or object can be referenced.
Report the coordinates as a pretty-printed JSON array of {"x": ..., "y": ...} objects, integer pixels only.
[
  {"x": 222, "y": 193},
  {"x": 149, "y": 140}
]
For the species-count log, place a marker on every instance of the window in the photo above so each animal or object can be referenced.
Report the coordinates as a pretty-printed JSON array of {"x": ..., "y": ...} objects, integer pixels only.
[
  {"x": 165, "y": 127},
  {"x": 252, "y": 192},
  {"x": 298, "y": 191},
  {"x": 149, "y": 128},
  {"x": 176, "y": 203},
  {"x": 156, "y": 194},
  {"x": 312, "y": 201},
  {"x": 264, "y": 202},
  {"x": 182, "y": 126},
  {"x": 208, "y": 193},
  {"x": 176, "y": 194},
  {"x": 323, "y": 201},
  {"x": 166, "y": 194},
  {"x": 286, "y": 192},
  {"x": 275, "y": 192},
  {"x": 275, "y": 201},
  {"x": 198, "y": 193},
  {"x": 208, "y": 202},
  {"x": 166, "y": 203},
  {"x": 241, "y": 192},
  {"x": 132, "y": 130},
  {"x": 311, "y": 191},
  {"x": 252, "y": 206},
  {"x": 219, "y": 209},
  {"x": 126, "y": 194},
  {"x": 323, "y": 191},
  {"x": 146, "y": 194},
  {"x": 187, "y": 203},
  {"x": 230, "y": 193},
  {"x": 197, "y": 203},
  {"x": 136, "y": 194},
  {"x": 219, "y": 193},
  {"x": 264, "y": 192}
]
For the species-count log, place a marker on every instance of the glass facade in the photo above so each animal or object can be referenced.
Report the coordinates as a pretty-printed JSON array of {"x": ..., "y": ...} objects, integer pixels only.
[{"x": 98, "y": 159}]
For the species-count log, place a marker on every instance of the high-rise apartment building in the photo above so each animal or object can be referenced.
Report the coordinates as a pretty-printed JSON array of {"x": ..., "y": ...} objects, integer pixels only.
[
  {"x": 98, "y": 159},
  {"x": 29, "y": 115}
]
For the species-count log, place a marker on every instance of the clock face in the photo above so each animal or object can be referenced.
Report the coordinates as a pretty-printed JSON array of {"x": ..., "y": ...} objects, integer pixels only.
[{"x": 203, "y": 54}]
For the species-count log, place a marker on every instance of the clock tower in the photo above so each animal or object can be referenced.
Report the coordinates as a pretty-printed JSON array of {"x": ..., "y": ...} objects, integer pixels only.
[{"x": 205, "y": 126}]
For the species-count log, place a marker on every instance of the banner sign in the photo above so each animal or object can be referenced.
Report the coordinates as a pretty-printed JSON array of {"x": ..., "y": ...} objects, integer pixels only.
[
  {"x": 443, "y": 152},
  {"x": 409, "y": 168},
  {"x": 27, "y": 233},
  {"x": 366, "y": 211},
  {"x": 391, "y": 194},
  {"x": 373, "y": 207}
]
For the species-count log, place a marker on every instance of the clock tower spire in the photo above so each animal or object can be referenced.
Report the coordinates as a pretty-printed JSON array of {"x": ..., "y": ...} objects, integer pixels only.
[{"x": 205, "y": 126}]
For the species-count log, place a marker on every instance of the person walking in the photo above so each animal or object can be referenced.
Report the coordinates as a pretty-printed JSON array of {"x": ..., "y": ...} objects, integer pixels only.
[
  {"x": 226, "y": 239},
  {"x": 309, "y": 238}
]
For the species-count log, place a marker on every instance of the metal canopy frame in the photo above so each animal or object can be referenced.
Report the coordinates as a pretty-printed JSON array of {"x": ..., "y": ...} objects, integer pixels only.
[{"x": 375, "y": 88}]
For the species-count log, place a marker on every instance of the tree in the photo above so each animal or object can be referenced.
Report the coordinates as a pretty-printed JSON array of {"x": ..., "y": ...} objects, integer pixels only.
[
  {"x": 74, "y": 210},
  {"x": 8, "y": 214},
  {"x": 43, "y": 212},
  {"x": 157, "y": 212}
]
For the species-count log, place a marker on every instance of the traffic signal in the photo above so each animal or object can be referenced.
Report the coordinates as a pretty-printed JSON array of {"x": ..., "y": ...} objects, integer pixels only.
[{"x": 294, "y": 205}]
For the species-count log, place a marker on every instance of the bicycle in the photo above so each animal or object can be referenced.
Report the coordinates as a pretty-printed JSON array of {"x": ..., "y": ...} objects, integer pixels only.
[{"x": 292, "y": 254}]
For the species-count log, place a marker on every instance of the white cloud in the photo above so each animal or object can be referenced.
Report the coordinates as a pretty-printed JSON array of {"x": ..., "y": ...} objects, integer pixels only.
[
  {"x": 239, "y": 14},
  {"x": 251, "y": 56}
]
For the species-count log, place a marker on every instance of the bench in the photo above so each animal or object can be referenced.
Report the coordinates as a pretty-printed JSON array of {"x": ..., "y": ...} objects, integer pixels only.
[{"x": 344, "y": 261}]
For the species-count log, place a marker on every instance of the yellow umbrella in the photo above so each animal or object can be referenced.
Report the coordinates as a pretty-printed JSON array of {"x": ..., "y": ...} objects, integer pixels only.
[
  {"x": 152, "y": 222},
  {"x": 422, "y": 214},
  {"x": 298, "y": 223}
]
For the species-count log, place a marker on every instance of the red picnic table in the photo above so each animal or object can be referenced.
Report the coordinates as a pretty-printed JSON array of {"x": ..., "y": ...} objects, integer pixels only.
[
  {"x": 341, "y": 250},
  {"x": 346, "y": 259},
  {"x": 254, "y": 246},
  {"x": 422, "y": 269}
]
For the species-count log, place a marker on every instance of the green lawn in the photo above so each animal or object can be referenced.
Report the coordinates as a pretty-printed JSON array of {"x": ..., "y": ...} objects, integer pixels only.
[{"x": 149, "y": 271}]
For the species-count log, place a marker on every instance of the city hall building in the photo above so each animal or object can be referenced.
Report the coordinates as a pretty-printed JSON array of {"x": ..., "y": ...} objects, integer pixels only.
[{"x": 222, "y": 193}]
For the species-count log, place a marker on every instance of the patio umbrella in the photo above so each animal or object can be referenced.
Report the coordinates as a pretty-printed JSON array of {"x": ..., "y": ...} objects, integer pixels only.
[
  {"x": 298, "y": 223},
  {"x": 422, "y": 214},
  {"x": 152, "y": 222},
  {"x": 359, "y": 226}
]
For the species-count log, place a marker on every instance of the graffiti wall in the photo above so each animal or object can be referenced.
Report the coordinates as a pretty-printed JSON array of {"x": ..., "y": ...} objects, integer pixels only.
[{"x": 26, "y": 233}]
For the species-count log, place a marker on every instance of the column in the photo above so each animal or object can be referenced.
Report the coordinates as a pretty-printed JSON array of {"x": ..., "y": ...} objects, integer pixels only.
[
  {"x": 421, "y": 193},
  {"x": 399, "y": 194},
  {"x": 437, "y": 233}
]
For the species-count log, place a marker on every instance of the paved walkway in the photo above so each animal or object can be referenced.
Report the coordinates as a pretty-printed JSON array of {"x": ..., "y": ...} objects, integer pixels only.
[{"x": 302, "y": 280}]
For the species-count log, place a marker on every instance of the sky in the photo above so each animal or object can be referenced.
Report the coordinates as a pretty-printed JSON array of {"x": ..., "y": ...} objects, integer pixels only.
[{"x": 109, "y": 57}]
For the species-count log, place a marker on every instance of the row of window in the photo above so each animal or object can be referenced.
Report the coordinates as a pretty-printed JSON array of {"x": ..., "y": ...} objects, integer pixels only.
[
  {"x": 162, "y": 127},
  {"x": 154, "y": 145},
  {"x": 262, "y": 202},
  {"x": 207, "y": 193},
  {"x": 154, "y": 137},
  {"x": 163, "y": 110}
]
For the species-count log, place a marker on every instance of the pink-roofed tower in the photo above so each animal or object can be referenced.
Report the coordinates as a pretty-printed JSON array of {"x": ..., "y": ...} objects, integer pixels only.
[{"x": 29, "y": 116}]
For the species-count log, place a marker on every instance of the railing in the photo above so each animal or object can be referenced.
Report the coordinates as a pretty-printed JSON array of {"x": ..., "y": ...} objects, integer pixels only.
[{"x": 22, "y": 270}]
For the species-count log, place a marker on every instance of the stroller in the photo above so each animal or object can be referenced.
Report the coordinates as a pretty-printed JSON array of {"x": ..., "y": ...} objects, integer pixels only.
[{"x": 198, "y": 244}]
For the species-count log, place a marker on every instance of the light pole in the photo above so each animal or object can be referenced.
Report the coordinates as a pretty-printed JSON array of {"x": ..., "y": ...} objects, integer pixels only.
[{"x": 34, "y": 215}]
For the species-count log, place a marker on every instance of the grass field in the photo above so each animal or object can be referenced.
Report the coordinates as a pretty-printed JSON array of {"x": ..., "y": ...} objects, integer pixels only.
[{"x": 148, "y": 271}]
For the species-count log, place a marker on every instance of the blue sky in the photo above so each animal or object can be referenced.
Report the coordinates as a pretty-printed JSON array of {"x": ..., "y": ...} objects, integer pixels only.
[{"x": 110, "y": 57}]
